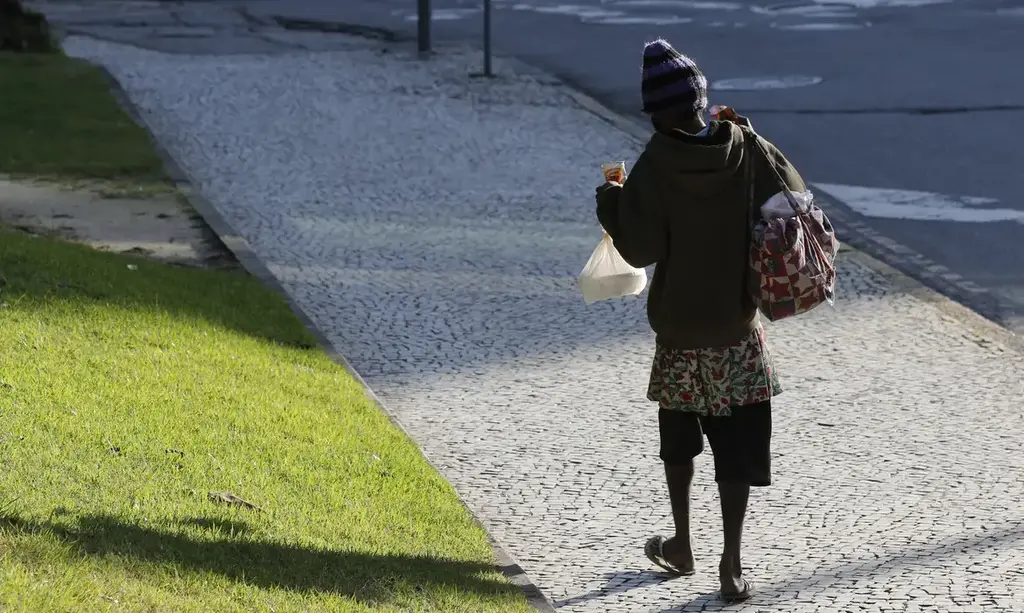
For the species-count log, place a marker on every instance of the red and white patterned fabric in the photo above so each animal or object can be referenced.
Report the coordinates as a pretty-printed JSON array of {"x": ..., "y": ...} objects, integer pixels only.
[
  {"x": 712, "y": 381},
  {"x": 792, "y": 260}
]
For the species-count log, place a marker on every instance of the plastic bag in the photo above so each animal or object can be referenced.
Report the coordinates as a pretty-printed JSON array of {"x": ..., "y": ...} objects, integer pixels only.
[
  {"x": 608, "y": 275},
  {"x": 779, "y": 206}
]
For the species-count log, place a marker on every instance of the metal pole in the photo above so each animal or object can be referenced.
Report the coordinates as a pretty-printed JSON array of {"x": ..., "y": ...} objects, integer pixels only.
[
  {"x": 488, "y": 72},
  {"x": 423, "y": 23}
]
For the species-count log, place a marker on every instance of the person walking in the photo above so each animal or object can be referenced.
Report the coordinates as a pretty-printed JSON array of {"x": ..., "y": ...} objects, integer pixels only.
[{"x": 684, "y": 208}]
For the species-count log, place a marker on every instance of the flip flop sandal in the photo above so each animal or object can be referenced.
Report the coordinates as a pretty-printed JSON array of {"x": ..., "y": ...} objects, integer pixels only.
[
  {"x": 654, "y": 549},
  {"x": 740, "y": 596}
]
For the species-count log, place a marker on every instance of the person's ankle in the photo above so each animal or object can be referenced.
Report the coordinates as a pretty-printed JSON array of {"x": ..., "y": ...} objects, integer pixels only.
[
  {"x": 678, "y": 550},
  {"x": 730, "y": 565},
  {"x": 678, "y": 542}
]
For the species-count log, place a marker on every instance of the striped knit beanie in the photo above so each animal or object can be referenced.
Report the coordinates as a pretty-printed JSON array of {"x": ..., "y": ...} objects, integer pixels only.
[{"x": 671, "y": 80}]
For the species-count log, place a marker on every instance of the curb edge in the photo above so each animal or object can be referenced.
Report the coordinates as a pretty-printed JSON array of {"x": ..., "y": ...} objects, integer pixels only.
[
  {"x": 987, "y": 330},
  {"x": 240, "y": 248}
]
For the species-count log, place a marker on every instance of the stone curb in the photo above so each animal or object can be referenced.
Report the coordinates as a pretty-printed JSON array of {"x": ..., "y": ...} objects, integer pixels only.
[
  {"x": 986, "y": 329},
  {"x": 238, "y": 246}
]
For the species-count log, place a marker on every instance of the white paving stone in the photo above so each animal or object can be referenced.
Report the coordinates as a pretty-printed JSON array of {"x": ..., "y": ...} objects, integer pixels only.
[{"x": 432, "y": 225}]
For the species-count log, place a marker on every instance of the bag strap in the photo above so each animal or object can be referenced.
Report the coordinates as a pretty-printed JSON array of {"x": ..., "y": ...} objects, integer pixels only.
[
  {"x": 750, "y": 177},
  {"x": 753, "y": 137},
  {"x": 753, "y": 213}
]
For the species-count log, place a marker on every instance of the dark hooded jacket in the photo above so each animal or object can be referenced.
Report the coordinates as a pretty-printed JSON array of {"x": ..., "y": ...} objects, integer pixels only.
[{"x": 684, "y": 208}]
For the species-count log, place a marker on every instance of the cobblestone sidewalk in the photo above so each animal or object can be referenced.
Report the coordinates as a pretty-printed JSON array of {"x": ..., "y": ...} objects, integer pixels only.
[{"x": 432, "y": 225}]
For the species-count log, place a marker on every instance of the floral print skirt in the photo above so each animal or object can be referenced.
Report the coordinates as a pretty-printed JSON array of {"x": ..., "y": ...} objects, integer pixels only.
[{"x": 710, "y": 381}]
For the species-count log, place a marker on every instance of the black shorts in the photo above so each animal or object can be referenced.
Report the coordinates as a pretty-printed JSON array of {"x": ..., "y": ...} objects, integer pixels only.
[{"x": 740, "y": 443}]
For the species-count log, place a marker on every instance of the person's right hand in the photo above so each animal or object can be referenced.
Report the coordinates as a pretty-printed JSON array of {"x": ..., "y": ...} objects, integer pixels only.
[
  {"x": 743, "y": 121},
  {"x": 607, "y": 194},
  {"x": 725, "y": 113}
]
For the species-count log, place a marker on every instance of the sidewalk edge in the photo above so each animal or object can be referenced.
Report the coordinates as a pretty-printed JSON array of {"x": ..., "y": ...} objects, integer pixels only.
[
  {"x": 987, "y": 331},
  {"x": 975, "y": 322},
  {"x": 245, "y": 255}
]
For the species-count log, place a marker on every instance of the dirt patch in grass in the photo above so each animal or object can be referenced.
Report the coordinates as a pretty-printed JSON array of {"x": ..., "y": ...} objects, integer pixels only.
[
  {"x": 159, "y": 227},
  {"x": 78, "y": 166}
]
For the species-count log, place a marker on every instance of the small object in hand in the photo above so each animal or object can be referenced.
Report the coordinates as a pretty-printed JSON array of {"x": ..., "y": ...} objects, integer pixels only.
[
  {"x": 614, "y": 172},
  {"x": 721, "y": 112}
]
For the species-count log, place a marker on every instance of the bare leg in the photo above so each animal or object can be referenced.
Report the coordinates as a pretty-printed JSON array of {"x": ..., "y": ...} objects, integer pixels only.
[
  {"x": 677, "y": 549},
  {"x": 734, "y": 508}
]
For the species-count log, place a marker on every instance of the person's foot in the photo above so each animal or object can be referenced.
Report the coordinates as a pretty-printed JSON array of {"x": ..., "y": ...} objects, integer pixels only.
[
  {"x": 674, "y": 558},
  {"x": 679, "y": 553},
  {"x": 730, "y": 575}
]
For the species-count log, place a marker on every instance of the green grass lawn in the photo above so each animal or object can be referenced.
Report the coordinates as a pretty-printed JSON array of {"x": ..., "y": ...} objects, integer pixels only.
[
  {"x": 58, "y": 121},
  {"x": 128, "y": 395},
  {"x": 135, "y": 396}
]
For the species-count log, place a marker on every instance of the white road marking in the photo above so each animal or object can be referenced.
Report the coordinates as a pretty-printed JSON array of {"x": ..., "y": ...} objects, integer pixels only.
[
  {"x": 870, "y": 4},
  {"x": 633, "y": 20},
  {"x": 445, "y": 14},
  {"x": 571, "y": 10},
  {"x": 822, "y": 26},
  {"x": 685, "y": 4},
  {"x": 919, "y": 206},
  {"x": 762, "y": 83},
  {"x": 810, "y": 11}
]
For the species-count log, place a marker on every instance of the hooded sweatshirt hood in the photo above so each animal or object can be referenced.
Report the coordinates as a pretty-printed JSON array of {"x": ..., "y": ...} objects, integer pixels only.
[{"x": 698, "y": 164}]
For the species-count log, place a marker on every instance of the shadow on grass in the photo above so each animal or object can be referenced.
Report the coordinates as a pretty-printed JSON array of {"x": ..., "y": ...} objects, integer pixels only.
[
  {"x": 370, "y": 578},
  {"x": 59, "y": 121},
  {"x": 226, "y": 526},
  {"x": 39, "y": 271}
]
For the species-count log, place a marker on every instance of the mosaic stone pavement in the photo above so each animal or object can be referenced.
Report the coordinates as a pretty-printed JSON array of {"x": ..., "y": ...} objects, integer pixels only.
[{"x": 432, "y": 225}]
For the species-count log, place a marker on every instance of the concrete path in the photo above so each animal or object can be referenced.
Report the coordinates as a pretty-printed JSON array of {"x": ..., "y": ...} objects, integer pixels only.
[{"x": 432, "y": 226}]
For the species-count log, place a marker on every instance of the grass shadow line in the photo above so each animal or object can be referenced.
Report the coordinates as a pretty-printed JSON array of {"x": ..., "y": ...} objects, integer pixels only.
[
  {"x": 366, "y": 577},
  {"x": 39, "y": 271}
]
